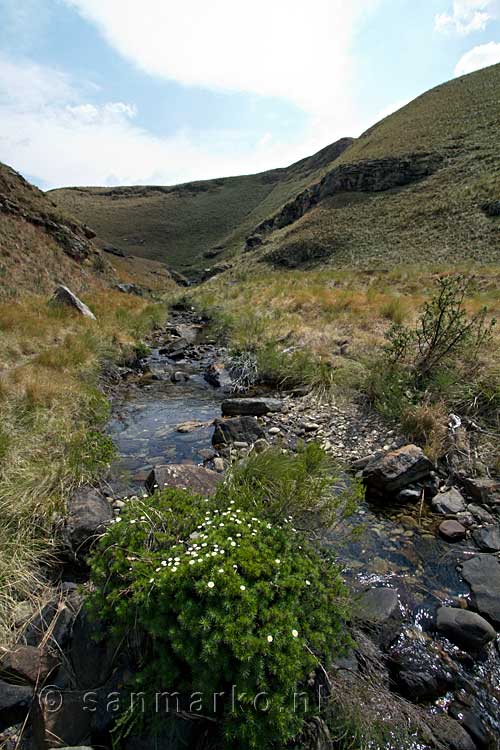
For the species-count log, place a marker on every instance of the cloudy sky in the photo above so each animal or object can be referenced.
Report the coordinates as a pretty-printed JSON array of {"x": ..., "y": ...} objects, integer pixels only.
[{"x": 106, "y": 92}]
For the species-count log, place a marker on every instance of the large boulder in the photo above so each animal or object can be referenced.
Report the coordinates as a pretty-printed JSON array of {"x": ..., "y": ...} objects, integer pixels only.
[
  {"x": 487, "y": 538},
  {"x": 197, "y": 479},
  {"x": 88, "y": 514},
  {"x": 482, "y": 573},
  {"x": 376, "y": 606},
  {"x": 397, "y": 469},
  {"x": 256, "y": 407},
  {"x": 464, "y": 628},
  {"x": 64, "y": 296},
  {"x": 418, "y": 669},
  {"x": 237, "y": 430},
  {"x": 449, "y": 502},
  {"x": 29, "y": 664},
  {"x": 62, "y": 718}
]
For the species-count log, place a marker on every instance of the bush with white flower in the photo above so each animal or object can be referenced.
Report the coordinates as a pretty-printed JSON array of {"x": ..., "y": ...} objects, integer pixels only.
[{"x": 219, "y": 597}]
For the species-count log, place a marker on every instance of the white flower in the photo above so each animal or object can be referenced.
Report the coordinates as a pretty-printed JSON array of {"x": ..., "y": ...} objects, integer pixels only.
[
  {"x": 117, "y": 519},
  {"x": 270, "y": 639},
  {"x": 295, "y": 633},
  {"x": 238, "y": 534},
  {"x": 210, "y": 584},
  {"x": 277, "y": 561},
  {"x": 233, "y": 544},
  {"x": 243, "y": 588},
  {"x": 192, "y": 562},
  {"x": 174, "y": 569},
  {"x": 151, "y": 580},
  {"x": 308, "y": 583},
  {"x": 163, "y": 562},
  {"x": 133, "y": 520}
]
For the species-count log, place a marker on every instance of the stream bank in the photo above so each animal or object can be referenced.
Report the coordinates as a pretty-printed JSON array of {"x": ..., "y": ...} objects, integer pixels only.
[{"x": 163, "y": 413}]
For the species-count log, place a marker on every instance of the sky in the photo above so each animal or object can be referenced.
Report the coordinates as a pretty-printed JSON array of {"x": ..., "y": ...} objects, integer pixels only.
[{"x": 128, "y": 92}]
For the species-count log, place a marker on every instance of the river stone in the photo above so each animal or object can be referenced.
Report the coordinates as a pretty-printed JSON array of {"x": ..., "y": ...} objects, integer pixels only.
[
  {"x": 183, "y": 476},
  {"x": 452, "y": 531},
  {"x": 449, "y": 503},
  {"x": 464, "y": 628},
  {"x": 256, "y": 407},
  {"x": 237, "y": 430},
  {"x": 64, "y": 296},
  {"x": 487, "y": 538},
  {"x": 218, "y": 376},
  {"x": 397, "y": 469},
  {"x": 417, "y": 668},
  {"x": 377, "y": 605},
  {"x": 29, "y": 664},
  {"x": 482, "y": 573},
  {"x": 88, "y": 513},
  {"x": 483, "y": 489},
  {"x": 480, "y": 514}
]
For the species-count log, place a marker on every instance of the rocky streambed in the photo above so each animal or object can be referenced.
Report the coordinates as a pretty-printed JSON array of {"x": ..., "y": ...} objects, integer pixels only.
[{"x": 420, "y": 554}]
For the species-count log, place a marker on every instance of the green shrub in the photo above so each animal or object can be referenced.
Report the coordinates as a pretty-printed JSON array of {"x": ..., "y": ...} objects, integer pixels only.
[{"x": 218, "y": 597}]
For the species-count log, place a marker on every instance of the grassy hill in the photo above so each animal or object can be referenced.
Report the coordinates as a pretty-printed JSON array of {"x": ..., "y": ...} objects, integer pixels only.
[
  {"x": 40, "y": 245},
  {"x": 422, "y": 185},
  {"x": 177, "y": 225}
]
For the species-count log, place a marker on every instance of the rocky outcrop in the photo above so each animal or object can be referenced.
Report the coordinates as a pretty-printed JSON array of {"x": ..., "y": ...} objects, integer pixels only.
[
  {"x": 256, "y": 407},
  {"x": 64, "y": 296},
  {"x": 183, "y": 476},
  {"x": 243, "y": 430},
  {"x": 88, "y": 514},
  {"x": 370, "y": 176}
]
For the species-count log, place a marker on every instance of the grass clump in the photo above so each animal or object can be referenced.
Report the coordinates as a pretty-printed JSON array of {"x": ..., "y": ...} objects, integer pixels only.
[{"x": 224, "y": 592}]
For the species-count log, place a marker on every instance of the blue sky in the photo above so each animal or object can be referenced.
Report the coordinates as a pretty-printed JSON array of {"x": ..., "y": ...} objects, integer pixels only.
[{"x": 154, "y": 91}]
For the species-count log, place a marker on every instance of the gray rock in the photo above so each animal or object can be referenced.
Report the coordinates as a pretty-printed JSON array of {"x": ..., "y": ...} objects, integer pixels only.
[
  {"x": 397, "y": 469},
  {"x": 93, "y": 665},
  {"x": 197, "y": 479},
  {"x": 449, "y": 503},
  {"x": 464, "y": 628},
  {"x": 237, "y": 430},
  {"x": 377, "y": 605},
  {"x": 70, "y": 725},
  {"x": 487, "y": 538},
  {"x": 474, "y": 725},
  {"x": 218, "y": 376},
  {"x": 88, "y": 513},
  {"x": 480, "y": 514},
  {"x": 449, "y": 733},
  {"x": 29, "y": 664},
  {"x": 418, "y": 670},
  {"x": 64, "y": 296},
  {"x": 179, "y": 377},
  {"x": 15, "y": 702},
  {"x": 452, "y": 531},
  {"x": 482, "y": 573},
  {"x": 255, "y": 407},
  {"x": 483, "y": 489}
]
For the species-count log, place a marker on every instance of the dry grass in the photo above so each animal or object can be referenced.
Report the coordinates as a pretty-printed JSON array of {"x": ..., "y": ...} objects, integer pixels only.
[{"x": 51, "y": 408}]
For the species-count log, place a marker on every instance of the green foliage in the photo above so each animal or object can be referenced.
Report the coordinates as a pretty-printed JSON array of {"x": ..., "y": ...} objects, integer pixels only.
[{"x": 224, "y": 592}]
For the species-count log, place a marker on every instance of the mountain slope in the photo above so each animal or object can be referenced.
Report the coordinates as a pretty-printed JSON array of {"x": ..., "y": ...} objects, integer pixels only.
[
  {"x": 179, "y": 224},
  {"x": 40, "y": 245}
]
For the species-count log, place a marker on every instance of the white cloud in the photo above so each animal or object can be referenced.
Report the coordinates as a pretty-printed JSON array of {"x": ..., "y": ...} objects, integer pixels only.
[
  {"x": 477, "y": 58},
  {"x": 281, "y": 48},
  {"x": 468, "y": 16}
]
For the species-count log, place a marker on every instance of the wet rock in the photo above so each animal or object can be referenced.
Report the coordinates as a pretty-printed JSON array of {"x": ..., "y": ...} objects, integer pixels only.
[
  {"x": 376, "y": 606},
  {"x": 449, "y": 502},
  {"x": 186, "y": 427},
  {"x": 452, "y": 531},
  {"x": 418, "y": 670},
  {"x": 197, "y": 479},
  {"x": 64, "y": 296},
  {"x": 256, "y": 407},
  {"x": 397, "y": 469},
  {"x": 179, "y": 377},
  {"x": 480, "y": 514},
  {"x": 237, "y": 430},
  {"x": 218, "y": 376},
  {"x": 176, "y": 350},
  {"x": 88, "y": 514},
  {"x": 482, "y": 573},
  {"x": 474, "y": 726},
  {"x": 450, "y": 734},
  {"x": 466, "y": 629},
  {"x": 487, "y": 538},
  {"x": 29, "y": 664},
  {"x": 15, "y": 702}
]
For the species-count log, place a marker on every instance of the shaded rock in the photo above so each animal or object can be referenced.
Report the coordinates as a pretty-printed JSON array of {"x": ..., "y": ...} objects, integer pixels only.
[
  {"x": 60, "y": 719},
  {"x": 88, "y": 514},
  {"x": 237, "y": 430},
  {"x": 130, "y": 289},
  {"x": 487, "y": 538},
  {"x": 176, "y": 350},
  {"x": 452, "y": 531},
  {"x": 218, "y": 376},
  {"x": 114, "y": 251},
  {"x": 482, "y": 573},
  {"x": 377, "y": 605},
  {"x": 256, "y": 407},
  {"x": 183, "y": 476},
  {"x": 450, "y": 733},
  {"x": 64, "y": 296},
  {"x": 480, "y": 514},
  {"x": 179, "y": 278},
  {"x": 464, "y": 628},
  {"x": 492, "y": 208},
  {"x": 92, "y": 654},
  {"x": 255, "y": 240},
  {"x": 179, "y": 377},
  {"x": 418, "y": 670},
  {"x": 397, "y": 469},
  {"x": 483, "y": 489},
  {"x": 15, "y": 702},
  {"x": 449, "y": 502},
  {"x": 29, "y": 664},
  {"x": 52, "y": 624},
  {"x": 473, "y": 724}
]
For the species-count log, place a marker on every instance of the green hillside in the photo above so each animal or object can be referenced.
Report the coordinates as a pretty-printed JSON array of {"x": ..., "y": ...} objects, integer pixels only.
[{"x": 179, "y": 224}]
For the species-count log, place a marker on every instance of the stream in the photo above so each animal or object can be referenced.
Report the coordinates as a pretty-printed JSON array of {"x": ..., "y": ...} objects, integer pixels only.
[{"x": 398, "y": 546}]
